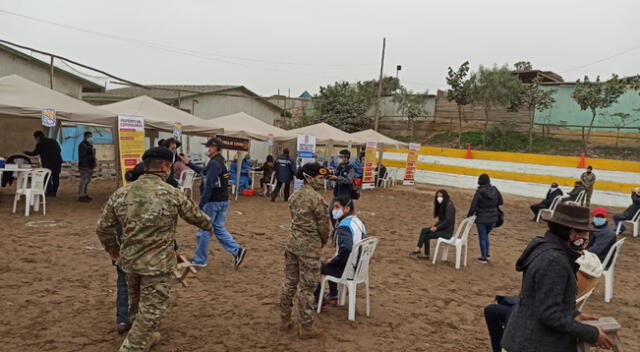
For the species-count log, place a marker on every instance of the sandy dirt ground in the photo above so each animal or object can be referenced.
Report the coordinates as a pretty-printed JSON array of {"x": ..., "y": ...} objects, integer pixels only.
[{"x": 57, "y": 286}]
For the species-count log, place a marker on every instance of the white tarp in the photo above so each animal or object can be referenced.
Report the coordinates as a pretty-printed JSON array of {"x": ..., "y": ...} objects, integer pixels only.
[
  {"x": 244, "y": 125},
  {"x": 382, "y": 140},
  {"x": 325, "y": 134}
]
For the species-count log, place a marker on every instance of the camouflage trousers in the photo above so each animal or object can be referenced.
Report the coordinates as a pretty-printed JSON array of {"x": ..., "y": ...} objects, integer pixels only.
[
  {"x": 301, "y": 275},
  {"x": 148, "y": 299}
]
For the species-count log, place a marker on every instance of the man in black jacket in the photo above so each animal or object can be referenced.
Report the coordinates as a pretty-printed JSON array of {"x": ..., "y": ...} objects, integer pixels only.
[
  {"x": 554, "y": 191},
  {"x": 546, "y": 319},
  {"x": 630, "y": 211},
  {"x": 49, "y": 151},
  {"x": 285, "y": 169},
  {"x": 343, "y": 176},
  {"x": 86, "y": 165}
]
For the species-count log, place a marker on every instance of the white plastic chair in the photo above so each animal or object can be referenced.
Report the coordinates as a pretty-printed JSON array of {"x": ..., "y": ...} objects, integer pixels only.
[
  {"x": 186, "y": 182},
  {"x": 394, "y": 178},
  {"x": 459, "y": 239},
  {"x": 32, "y": 191},
  {"x": 355, "y": 272},
  {"x": 579, "y": 199},
  {"x": 271, "y": 186},
  {"x": 384, "y": 181},
  {"x": 609, "y": 264},
  {"x": 635, "y": 222},
  {"x": 582, "y": 300},
  {"x": 551, "y": 209}
]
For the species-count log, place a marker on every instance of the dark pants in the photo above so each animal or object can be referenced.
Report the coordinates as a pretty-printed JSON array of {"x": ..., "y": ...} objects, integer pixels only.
[
  {"x": 54, "y": 180},
  {"x": 426, "y": 236},
  {"x": 333, "y": 270},
  {"x": 287, "y": 190},
  {"x": 496, "y": 316},
  {"x": 122, "y": 298},
  {"x": 536, "y": 208},
  {"x": 616, "y": 220},
  {"x": 483, "y": 237}
]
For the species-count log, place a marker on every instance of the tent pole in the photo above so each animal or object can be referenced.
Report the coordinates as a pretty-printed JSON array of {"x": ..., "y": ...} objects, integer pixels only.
[
  {"x": 238, "y": 169},
  {"x": 116, "y": 151}
]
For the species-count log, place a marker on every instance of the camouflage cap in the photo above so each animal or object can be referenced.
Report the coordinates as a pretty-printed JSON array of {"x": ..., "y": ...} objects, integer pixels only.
[{"x": 158, "y": 153}]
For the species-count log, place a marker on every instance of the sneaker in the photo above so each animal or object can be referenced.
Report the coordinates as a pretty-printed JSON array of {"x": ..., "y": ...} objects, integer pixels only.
[
  {"x": 239, "y": 258},
  {"x": 488, "y": 258},
  {"x": 122, "y": 328},
  {"x": 414, "y": 253},
  {"x": 286, "y": 325},
  {"x": 325, "y": 305},
  {"x": 333, "y": 301},
  {"x": 154, "y": 340},
  {"x": 199, "y": 265},
  {"x": 422, "y": 257},
  {"x": 89, "y": 198},
  {"x": 84, "y": 199},
  {"x": 481, "y": 260},
  {"x": 310, "y": 333}
]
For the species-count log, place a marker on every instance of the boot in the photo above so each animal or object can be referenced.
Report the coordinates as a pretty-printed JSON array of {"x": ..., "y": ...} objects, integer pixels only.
[
  {"x": 309, "y": 333},
  {"x": 286, "y": 325},
  {"x": 155, "y": 338}
]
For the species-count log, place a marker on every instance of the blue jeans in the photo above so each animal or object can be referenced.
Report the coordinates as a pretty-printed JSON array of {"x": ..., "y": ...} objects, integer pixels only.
[
  {"x": 122, "y": 298},
  {"x": 483, "y": 235},
  {"x": 218, "y": 213}
]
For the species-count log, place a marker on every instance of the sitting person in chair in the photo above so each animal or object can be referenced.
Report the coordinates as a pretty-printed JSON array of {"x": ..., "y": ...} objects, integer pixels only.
[
  {"x": 349, "y": 232},
  {"x": 445, "y": 211},
  {"x": 552, "y": 193},
  {"x": 574, "y": 193},
  {"x": 630, "y": 211},
  {"x": 600, "y": 241}
]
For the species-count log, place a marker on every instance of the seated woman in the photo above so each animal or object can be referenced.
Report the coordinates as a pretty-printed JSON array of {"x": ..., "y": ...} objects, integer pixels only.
[
  {"x": 445, "y": 211},
  {"x": 267, "y": 171},
  {"x": 348, "y": 233}
]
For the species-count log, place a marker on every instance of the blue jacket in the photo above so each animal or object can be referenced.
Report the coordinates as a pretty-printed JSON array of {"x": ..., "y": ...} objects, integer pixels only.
[
  {"x": 600, "y": 241},
  {"x": 350, "y": 229},
  {"x": 216, "y": 180},
  {"x": 358, "y": 166},
  {"x": 344, "y": 183},
  {"x": 284, "y": 168}
]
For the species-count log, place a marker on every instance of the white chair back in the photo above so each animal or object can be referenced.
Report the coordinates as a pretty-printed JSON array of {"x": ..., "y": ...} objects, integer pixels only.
[
  {"x": 464, "y": 228},
  {"x": 186, "y": 179},
  {"x": 39, "y": 179},
  {"x": 554, "y": 203},
  {"x": 609, "y": 261},
  {"x": 22, "y": 181},
  {"x": 357, "y": 267},
  {"x": 582, "y": 300},
  {"x": 580, "y": 197},
  {"x": 636, "y": 217}
]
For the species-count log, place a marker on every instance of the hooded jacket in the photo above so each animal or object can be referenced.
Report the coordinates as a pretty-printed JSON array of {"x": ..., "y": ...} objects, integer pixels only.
[
  {"x": 544, "y": 320},
  {"x": 633, "y": 208},
  {"x": 485, "y": 204},
  {"x": 551, "y": 195}
]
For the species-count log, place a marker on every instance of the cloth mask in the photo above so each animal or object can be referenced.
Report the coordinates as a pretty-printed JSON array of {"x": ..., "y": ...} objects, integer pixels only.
[
  {"x": 578, "y": 245},
  {"x": 599, "y": 221},
  {"x": 440, "y": 200},
  {"x": 337, "y": 213}
]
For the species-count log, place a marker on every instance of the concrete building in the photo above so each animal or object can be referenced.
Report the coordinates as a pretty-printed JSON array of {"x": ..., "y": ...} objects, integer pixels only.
[{"x": 13, "y": 61}]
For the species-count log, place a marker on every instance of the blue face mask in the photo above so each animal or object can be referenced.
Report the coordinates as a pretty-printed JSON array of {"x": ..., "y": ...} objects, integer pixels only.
[{"x": 599, "y": 221}]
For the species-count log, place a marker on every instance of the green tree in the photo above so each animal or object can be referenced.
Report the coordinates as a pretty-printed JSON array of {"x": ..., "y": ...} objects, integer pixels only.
[
  {"x": 533, "y": 98},
  {"x": 495, "y": 87},
  {"x": 460, "y": 92},
  {"x": 522, "y": 66},
  {"x": 344, "y": 105},
  {"x": 412, "y": 105},
  {"x": 619, "y": 120},
  {"x": 597, "y": 95}
]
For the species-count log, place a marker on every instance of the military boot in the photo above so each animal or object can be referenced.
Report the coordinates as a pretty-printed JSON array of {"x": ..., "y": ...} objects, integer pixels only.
[{"x": 155, "y": 339}]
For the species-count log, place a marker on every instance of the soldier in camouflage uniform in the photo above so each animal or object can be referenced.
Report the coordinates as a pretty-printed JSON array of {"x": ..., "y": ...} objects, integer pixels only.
[
  {"x": 310, "y": 229},
  {"x": 148, "y": 211}
]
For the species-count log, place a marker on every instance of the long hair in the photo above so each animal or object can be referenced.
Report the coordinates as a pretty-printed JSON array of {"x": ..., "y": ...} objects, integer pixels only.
[
  {"x": 269, "y": 158},
  {"x": 439, "y": 209}
]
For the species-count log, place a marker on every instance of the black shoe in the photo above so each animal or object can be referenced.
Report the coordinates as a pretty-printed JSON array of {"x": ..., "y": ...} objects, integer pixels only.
[
  {"x": 239, "y": 258},
  {"x": 89, "y": 198},
  {"x": 482, "y": 260},
  {"x": 273, "y": 199},
  {"x": 122, "y": 328},
  {"x": 84, "y": 199}
]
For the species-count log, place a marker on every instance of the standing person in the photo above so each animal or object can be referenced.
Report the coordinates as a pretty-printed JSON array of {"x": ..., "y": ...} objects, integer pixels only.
[
  {"x": 553, "y": 192},
  {"x": 603, "y": 237},
  {"x": 215, "y": 203},
  {"x": 630, "y": 211},
  {"x": 588, "y": 179},
  {"x": 148, "y": 211},
  {"x": 445, "y": 212},
  {"x": 343, "y": 176},
  {"x": 285, "y": 169},
  {"x": 309, "y": 233},
  {"x": 546, "y": 319},
  {"x": 485, "y": 206},
  {"x": 51, "y": 158},
  {"x": 86, "y": 165},
  {"x": 349, "y": 232}
]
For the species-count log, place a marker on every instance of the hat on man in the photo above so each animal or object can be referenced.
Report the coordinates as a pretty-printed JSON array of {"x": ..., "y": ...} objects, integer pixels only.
[
  {"x": 600, "y": 211},
  {"x": 311, "y": 170},
  {"x": 214, "y": 142},
  {"x": 345, "y": 152},
  {"x": 571, "y": 216},
  {"x": 158, "y": 153}
]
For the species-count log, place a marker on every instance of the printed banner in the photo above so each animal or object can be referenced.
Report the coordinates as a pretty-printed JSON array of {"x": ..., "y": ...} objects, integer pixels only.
[
  {"x": 368, "y": 171},
  {"x": 306, "y": 147},
  {"x": 130, "y": 142},
  {"x": 410, "y": 169},
  {"x": 177, "y": 129},
  {"x": 48, "y": 117},
  {"x": 235, "y": 143}
]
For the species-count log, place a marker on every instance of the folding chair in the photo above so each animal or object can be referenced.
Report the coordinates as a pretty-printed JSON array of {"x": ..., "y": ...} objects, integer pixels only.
[
  {"x": 635, "y": 222},
  {"x": 609, "y": 264},
  {"x": 458, "y": 240},
  {"x": 32, "y": 191},
  {"x": 355, "y": 272},
  {"x": 551, "y": 209}
]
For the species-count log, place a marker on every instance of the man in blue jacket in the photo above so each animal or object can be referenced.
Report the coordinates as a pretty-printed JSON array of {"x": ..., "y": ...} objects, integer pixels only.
[
  {"x": 215, "y": 203},
  {"x": 285, "y": 169}
]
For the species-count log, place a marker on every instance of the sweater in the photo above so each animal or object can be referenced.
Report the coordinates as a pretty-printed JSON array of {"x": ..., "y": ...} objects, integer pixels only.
[{"x": 485, "y": 205}]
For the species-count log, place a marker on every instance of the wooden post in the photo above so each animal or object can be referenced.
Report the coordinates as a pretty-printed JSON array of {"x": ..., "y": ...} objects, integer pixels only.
[
  {"x": 51, "y": 75},
  {"x": 377, "y": 112}
]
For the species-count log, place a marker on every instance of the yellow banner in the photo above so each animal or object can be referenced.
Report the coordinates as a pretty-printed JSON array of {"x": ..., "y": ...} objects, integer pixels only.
[
  {"x": 130, "y": 142},
  {"x": 412, "y": 160},
  {"x": 368, "y": 170}
]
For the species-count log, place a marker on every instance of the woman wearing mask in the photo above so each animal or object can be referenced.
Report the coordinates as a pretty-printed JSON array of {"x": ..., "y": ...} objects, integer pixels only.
[
  {"x": 267, "y": 171},
  {"x": 484, "y": 206},
  {"x": 349, "y": 232},
  {"x": 445, "y": 212}
]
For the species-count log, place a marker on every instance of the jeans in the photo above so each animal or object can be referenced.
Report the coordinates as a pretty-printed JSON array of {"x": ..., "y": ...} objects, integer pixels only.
[
  {"x": 85, "y": 179},
  {"x": 287, "y": 190},
  {"x": 122, "y": 298},
  {"x": 218, "y": 213},
  {"x": 426, "y": 236},
  {"x": 616, "y": 220},
  {"x": 497, "y": 316},
  {"x": 483, "y": 235}
]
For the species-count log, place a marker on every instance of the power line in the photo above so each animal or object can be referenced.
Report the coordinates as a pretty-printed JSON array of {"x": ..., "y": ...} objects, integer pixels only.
[
  {"x": 603, "y": 59},
  {"x": 176, "y": 49}
]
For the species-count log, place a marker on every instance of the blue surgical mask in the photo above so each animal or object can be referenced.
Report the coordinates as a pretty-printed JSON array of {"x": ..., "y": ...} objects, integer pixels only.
[{"x": 599, "y": 221}]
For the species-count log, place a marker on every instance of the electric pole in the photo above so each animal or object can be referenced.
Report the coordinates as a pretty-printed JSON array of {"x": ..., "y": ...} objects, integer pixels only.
[{"x": 377, "y": 112}]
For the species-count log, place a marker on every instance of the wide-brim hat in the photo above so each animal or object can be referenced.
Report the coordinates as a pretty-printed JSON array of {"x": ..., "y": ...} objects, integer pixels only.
[{"x": 571, "y": 216}]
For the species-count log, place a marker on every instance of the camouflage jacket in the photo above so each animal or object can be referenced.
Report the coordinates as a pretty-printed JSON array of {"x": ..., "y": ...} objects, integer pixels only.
[
  {"x": 588, "y": 179},
  {"x": 148, "y": 211},
  {"x": 310, "y": 225}
]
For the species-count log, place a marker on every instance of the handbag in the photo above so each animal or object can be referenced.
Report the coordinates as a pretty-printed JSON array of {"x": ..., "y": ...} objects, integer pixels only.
[{"x": 500, "y": 218}]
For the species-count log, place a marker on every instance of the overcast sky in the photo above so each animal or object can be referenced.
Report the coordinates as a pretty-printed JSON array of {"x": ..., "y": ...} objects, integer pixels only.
[{"x": 300, "y": 45}]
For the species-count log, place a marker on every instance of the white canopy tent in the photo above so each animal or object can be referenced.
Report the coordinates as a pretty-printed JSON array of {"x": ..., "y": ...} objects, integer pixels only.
[
  {"x": 244, "y": 125},
  {"x": 382, "y": 140},
  {"x": 325, "y": 134}
]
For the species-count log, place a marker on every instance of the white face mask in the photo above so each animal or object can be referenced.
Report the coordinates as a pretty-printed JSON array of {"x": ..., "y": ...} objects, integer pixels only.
[
  {"x": 440, "y": 200},
  {"x": 337, "y": 213}
]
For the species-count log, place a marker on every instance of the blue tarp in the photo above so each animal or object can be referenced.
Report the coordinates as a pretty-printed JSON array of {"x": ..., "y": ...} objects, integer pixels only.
[{"x": 71, "y": 136}]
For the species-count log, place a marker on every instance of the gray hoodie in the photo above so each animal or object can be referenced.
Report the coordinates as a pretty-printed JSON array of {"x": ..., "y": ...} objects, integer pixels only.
[{"x": 544, "y": 320}]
